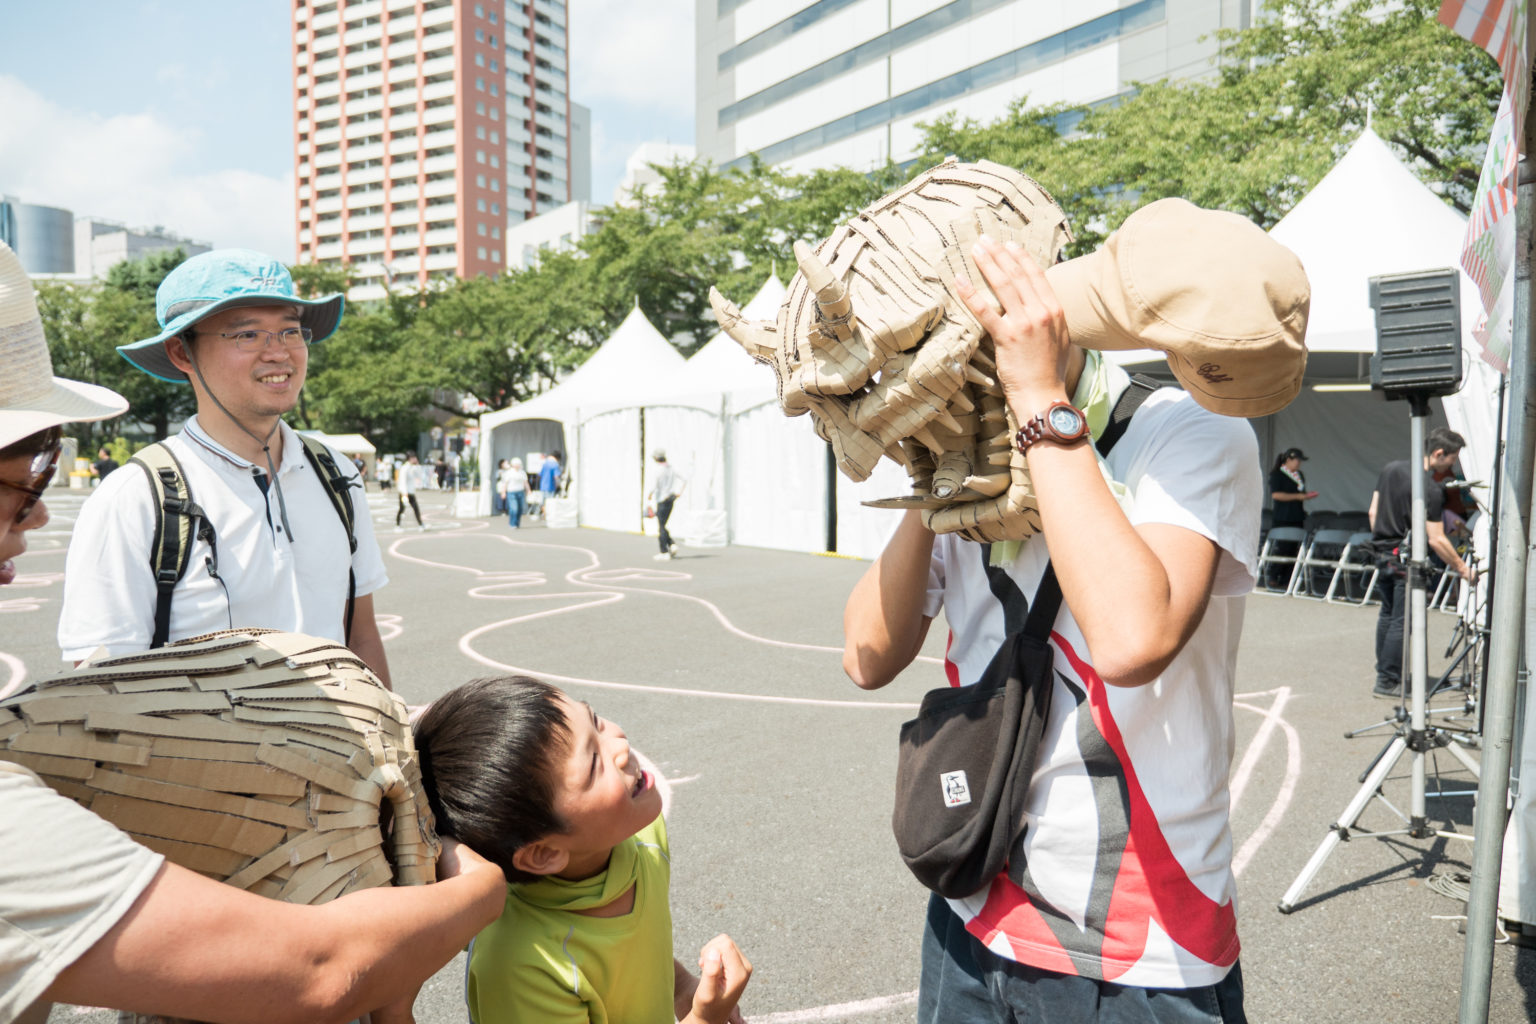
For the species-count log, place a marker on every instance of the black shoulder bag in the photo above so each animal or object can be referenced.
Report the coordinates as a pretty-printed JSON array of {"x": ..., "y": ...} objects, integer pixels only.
[{"x": 965, "y": 762}]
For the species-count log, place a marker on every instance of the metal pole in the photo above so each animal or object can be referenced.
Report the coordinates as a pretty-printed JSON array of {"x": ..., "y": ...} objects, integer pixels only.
[
  {"x": 1504, "y": 641},
  {"x": 1418, "y": 625}
]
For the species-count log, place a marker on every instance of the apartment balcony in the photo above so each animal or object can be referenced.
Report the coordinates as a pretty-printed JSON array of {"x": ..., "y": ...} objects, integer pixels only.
[
  {"x": 365, "y": 176},
  {"x": 362, "y": 58},
  {"x": 442, "y": 211},
  {"x": 304, "y": 236},
  {"x": 404, "y": 48},
  {"x": 372, "y": 151},
  {"x": 438, "y": 66},
  {"x": 404, "y": 240},
  {"x": 441, "y": 16},
  {"x": 363, "y": 129},
  {"x": 442, "y": 236},
  {"x": 402, "y": 171},
  {"x": 556, "y": 60},
  {"x": 399, "y": 219},
  {"x": 446, "y": 187},
  {"x": 437, "y": 91},
  {"x": 516, "y": 19},
  {"x": 392, "y": 6},
  {"x": 517, "y": 202},
  {"x": 400, "y": 122},
  {"x": 329, "y": 251},
  {"x": 366, "y": 105},
  {"x": 549, "y": 121},
  {"x": 327, "y": 92},
  {"x": 439, "y": 164},
  {"x": 439, "y": 137},
  {"x": 303, "y": 124},
  {"x": 402, "y": 145},
  {"x": 372, "y": 80},
  {"x": 372, "y": 222},
  {"x": 327, "y": 65},
  {"x": 404, "y": 194},
  {"x": 517, "y": 86},
  {"x": 366, "y": 249},
  {"x": 358, "y": 11},
  {"x": 301, "y": 80},
  {"x": 516, "y": 63},
  {"x": 328, "y": 181},
  {"x": 330, "y": 19},
  {"x": 550, "y": 165},
  {"x": 326, "y": 136},
  {"x": 404, "y": 74},
  {"x": 332, "y": 108},
  {"x": 553, "y": 12},
  {"x": 330, "y": 204},
  {"x": 361, "y": 33},
  {"x": 443, "y": 261}
]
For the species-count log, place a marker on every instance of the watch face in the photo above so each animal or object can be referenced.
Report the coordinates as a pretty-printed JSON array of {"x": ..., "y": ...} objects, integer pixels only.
[{"x": 1066, "y": 421}]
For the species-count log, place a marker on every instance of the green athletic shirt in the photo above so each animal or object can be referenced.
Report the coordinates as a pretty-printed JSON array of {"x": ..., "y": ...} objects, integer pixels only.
[{"x": 539, "y": 963}]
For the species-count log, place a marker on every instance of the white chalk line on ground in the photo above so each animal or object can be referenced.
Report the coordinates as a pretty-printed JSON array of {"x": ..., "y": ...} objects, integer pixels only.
[
  {"x": 18, "y": 671},
  {"x": 1274, "y": 718},
  {"x": 607, "y": 593},
  {"x": 837, "y": 1011}
]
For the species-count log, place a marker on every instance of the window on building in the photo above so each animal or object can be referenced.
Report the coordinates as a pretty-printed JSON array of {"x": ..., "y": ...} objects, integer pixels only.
[
  {"x": 480, "y": 109},
  {"x": 480, "y": 84},
  {"x": 479, "y": 10},
  {"x": 495, "y": 255},
  {"x": 479, "y": 35},
  {"x": 480, "y": 205},
  {"x": 480, "y": 230},
  {"x": 479, "y": 156},
  {"x": 480, "y": 132},
  {"x": 495, "y": 209},
  {"x": 495, "y": 232},
  {"x": 495, "y": 138},
  {"x": 480, "y": 252},
  {"x": 494, "y": 90},
  {"x": 495, "y": 162},
  {"x": 494, "y": 65},
  {"x": 480, "y": 180},
  {"x": 479, "y": 60},
  {"x": 493, "y": 17},
  {"x": 495, "y": 185}
]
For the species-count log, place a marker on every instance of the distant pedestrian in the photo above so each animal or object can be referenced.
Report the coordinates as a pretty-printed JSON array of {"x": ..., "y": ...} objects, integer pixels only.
[
  {"x": 362, "y": 470},
  {"x": 499, "y": 489},
  {"x": 669, "y": 484},
  {"x": 549, "y": 478},
  {"x": 408, "y": 480},
  {"x": 441, "y": 469},
  {"x": 514, "y": 493},
  {"x": 104, "y": 464},
  {"x": 1288, "y": 492},
  {"x": 384, "y": 471}
]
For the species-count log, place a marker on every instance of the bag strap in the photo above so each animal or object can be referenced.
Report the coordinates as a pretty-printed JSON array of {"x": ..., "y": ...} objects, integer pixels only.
[
  {"x": 1041, "y": 613},
  {"x": 340, "y": 493},
  {"x": 177, "y": 521}
]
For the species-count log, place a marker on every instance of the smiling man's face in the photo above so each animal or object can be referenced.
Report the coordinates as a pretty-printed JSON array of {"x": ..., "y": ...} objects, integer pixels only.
[{"x": 256, "y": 384}]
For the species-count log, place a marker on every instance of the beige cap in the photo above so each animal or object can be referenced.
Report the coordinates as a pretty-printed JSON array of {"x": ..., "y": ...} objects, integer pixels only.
[{"x": 1225, "y": 302}]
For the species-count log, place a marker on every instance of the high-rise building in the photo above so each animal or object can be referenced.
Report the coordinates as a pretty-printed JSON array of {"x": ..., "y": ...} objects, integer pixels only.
[
  {"x": 423, "y": 128},
  {"x": 845, "y": 82},
  {"x": 43, "y": 237},
  {"x": 102, "y": 244}
]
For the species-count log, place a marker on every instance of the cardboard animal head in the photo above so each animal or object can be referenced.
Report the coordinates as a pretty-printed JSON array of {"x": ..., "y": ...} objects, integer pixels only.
[
  {"x": 270, "y": 761},
  {"x": 875, "y": 344}
]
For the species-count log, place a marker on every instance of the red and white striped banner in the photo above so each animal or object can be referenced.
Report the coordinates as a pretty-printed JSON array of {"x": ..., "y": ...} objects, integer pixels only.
[{"x": 1488, "y": 254}]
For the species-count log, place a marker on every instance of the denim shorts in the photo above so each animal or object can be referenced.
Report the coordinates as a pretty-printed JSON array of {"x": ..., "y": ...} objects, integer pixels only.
[{"x": 963, "y": 982}]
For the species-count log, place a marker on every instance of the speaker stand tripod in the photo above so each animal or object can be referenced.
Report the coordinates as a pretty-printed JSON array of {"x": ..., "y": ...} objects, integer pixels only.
[{"x": 1412, "y": 733}]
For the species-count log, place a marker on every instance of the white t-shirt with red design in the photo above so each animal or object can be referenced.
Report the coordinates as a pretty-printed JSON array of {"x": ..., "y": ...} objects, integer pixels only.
[{"x": 1128, "y": 852}]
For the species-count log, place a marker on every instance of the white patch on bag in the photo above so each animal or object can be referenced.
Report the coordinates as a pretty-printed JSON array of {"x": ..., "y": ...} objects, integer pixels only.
[{"x": 957, "y": 791}]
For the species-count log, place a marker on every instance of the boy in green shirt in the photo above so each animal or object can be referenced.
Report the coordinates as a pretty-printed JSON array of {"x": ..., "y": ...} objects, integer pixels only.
[{"x": 542, "y": 787}]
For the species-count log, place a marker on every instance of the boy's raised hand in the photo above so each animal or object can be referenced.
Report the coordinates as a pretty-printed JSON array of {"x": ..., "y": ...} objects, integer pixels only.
[{"x": 723, "y": 974}]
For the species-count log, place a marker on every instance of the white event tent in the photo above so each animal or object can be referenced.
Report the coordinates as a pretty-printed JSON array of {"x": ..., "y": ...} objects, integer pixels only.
[
  {"x": 1368, "y": 216},
  {"x": 582, "y": 416}
]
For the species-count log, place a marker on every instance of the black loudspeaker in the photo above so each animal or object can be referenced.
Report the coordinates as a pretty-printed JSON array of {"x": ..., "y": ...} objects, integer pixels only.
[{"x": 1418, "y": 333}]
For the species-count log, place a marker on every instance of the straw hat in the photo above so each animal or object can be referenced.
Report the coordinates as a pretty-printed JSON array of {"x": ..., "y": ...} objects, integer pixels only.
[{"x": 31, "y": 397}]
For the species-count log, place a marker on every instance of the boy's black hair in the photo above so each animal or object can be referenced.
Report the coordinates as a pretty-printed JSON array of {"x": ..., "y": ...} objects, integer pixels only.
[
  {"x": 489, "y": 753},
  {"x": 1444, "y": 439}
]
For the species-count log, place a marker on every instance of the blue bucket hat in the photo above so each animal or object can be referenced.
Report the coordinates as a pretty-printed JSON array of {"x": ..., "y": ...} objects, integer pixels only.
[{"x": 215, "y": 281}]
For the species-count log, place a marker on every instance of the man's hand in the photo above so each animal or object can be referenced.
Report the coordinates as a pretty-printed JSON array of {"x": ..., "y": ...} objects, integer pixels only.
[
  {"x": 723, "y": 975},
  {"x": 1029, "y": 334},
  {"x": 1309, "y": 496}
]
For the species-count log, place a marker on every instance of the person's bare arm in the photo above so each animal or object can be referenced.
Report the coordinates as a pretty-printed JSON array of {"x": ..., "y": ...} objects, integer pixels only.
[
  {"x": 1137, "y": 593},
  {"x": 366, "y": 642},
  {"x": 883, "y": 621},
  {"x": 195, "y": 948},
  {"x": 1441, "y": 545},
  {"x": 1371, "y": 513}
]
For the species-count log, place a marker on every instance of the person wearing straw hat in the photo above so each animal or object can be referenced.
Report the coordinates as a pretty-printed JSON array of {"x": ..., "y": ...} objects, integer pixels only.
[
  {"x": 88, "y": 916},
  {"x": 234, "y": 329},
  {"x": 1117, "y": 903}
]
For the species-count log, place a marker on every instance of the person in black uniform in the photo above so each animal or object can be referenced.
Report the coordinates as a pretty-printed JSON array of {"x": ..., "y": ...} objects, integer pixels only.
[
  {"x": 1391, "y": 522},
  {"x": 1288, "y": 490}
]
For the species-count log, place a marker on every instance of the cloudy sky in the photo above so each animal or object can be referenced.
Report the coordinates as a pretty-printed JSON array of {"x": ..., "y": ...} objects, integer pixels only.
[{"x": 178, "y": 112}]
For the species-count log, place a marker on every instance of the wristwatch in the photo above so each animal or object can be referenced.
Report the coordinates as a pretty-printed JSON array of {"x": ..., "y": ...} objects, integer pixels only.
[{"x": 1060, "y": 422}]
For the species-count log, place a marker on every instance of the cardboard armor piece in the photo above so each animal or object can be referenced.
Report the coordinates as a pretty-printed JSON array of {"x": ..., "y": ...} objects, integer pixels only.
[
  {"x": 258, "y": 758},
  {"x": 873, "y": 341}
]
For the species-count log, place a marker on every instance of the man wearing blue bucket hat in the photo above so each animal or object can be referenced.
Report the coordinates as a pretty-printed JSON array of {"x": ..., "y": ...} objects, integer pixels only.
[{"x": 259, "y": 526}]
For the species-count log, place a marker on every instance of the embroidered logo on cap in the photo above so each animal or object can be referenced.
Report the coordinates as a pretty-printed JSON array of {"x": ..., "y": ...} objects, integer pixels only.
[
  {"x": 957, "y": 791},
  {"x": 1212, "y": 372}
]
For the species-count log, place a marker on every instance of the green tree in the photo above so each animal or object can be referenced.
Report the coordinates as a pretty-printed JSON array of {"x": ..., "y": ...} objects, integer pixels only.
[{"x": 1284, "y": 100}]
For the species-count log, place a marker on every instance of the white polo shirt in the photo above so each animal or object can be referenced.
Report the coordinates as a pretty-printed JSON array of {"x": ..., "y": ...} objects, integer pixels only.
[{"x": 265, "y": 578}]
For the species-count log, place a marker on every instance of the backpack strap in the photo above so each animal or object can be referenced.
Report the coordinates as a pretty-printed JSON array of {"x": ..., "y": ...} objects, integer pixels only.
[
  {"x": 178, "y": 520},
  {"x": 340, "y": 493},
  {"x": 1140, "y": 389}
]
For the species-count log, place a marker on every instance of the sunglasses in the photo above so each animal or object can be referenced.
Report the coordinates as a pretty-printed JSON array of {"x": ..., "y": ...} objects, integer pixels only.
[{"x": 41, "y": 471}]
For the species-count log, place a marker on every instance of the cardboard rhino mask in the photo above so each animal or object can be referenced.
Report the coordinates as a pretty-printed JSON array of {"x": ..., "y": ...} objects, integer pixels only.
[
  {"x": 270, "y": 761},
  {"x": 875, "y": 344}
]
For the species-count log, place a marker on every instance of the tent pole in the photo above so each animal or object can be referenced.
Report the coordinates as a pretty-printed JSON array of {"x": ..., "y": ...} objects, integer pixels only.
[{"x": 1514, "y": 502}]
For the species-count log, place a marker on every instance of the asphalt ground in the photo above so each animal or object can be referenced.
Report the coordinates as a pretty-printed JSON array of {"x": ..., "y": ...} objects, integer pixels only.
[{"x": 723, "y": 667}]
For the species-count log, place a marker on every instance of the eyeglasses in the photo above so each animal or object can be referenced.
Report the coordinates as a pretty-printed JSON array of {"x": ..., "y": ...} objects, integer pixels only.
[
  {"x": 41, "y": 471},
  {"x": 255, "y": 341}
]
